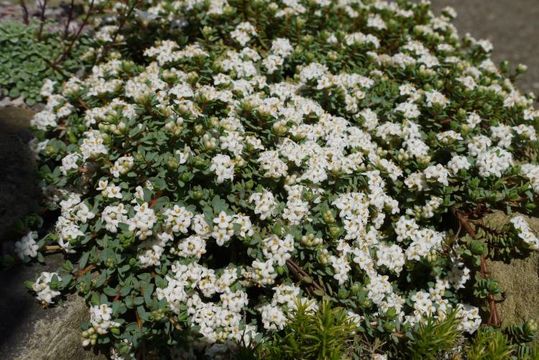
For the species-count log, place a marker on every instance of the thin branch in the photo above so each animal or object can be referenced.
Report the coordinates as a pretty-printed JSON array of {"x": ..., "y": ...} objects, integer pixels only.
[
  {"x": 53, "y": 248},
  {"x": 69, "y": 18},
  {"x": 463, "y": 221},
  {"x": 67, "y": 50},
  {"x": 494, "y": 317},
  {"x": 43, "y": 8},
  {"x": 85, "y": 270},
  {"x": 303, "y": 277},
  {"x": 52, "y": 65},
  {"x": 153, "y": 201},
  {"x": 123, "y": 21},
  {"x": 25, "y": 15}
]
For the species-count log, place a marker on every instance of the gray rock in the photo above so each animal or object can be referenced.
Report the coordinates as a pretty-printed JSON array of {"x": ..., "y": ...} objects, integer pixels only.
[
  {"x": 29, "y": 332},
  {"x": 57, "y": 336},
  {"x": 511, "y": 25},
  {"x": 519, "y": 280}
]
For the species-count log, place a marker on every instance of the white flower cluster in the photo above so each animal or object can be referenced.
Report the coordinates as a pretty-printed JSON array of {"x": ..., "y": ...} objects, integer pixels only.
[
  {"x": 27, "y": 246},
  {"x": 223, "y": 167},
  {"x": 525, "y": 232},
  {"x": 531, "y": 171},
  {"x": 42, "y": 287},
  {"x": 219, "y": 321},
  {"x": 280, "y": 311},
  {"x": 101, "y": 318},
  {"x": 265, "y": 204}
]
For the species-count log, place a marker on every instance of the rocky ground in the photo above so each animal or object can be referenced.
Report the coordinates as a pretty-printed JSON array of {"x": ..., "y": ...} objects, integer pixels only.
[
  {"x": 29, "y": 332},
  {"x": 511, "y": 25}
]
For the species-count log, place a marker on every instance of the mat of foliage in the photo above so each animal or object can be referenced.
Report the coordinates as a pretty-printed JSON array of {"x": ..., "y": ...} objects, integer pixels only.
[
  {"x": 288, "y": 160},
  {"x": 26, "y": 60}
]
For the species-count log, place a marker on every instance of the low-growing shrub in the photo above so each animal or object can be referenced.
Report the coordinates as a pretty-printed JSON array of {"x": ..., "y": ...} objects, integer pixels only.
[{"x": 282, "y": 153}]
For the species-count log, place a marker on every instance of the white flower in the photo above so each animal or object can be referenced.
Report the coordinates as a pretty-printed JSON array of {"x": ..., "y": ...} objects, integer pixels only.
[
  {"x": 312, "y": 72},
  {"x": 143, "y": 221},
  {"x": 92, "y": 144},
  {"x": 437, "y": 172},
  {"x": 434, "y": 97},
  {"x": 243, "y": 33},
  {"x": 272, "y": 165},
  {"x": 122, "y": 166},
  {"x": 263, "y": 272},
  {"x": 47, "y": 88},
  {"x": 27, "y": 246},
  {"x": 151, "y": 256},
  {"x": 485, "y": 45},
  {"x": 113, "y": 215},
  {"x": 273, "y": 318},
  {"x": 265, "y": 204},
  {"x": 341, "y": 268},
  {"x": 478, "y": 144},
  {"x": 223, "y": 167},
  {"x": 110, "y": 191},
  {"x": 469, "y": 317},
  {"x": 69, "y": 162},
  {"x": 223, "y": 228},
  {"x": 459, "y": 275},
  {"x": 44, "y": 120},
  {"x": 42, "y": 287},
  {"x": 424, "y": 241},
  {"x": 524, "y": 232},
  {"x": 390, "y": 256},
  {"x": 101, "y": 318},
  {"x": 494, "y": 162},
  {"x": 281, "y": 47},
  {"x": 376, "y": 22},
  {"x": 278, "y": 250},
  {"x": 408, "y": 110},
  {"x": 178, "y": 219},
  {"x": 531, "y": 171},
  {"x": 192, "y": 246},
  {"x": 458, "y": 163}
]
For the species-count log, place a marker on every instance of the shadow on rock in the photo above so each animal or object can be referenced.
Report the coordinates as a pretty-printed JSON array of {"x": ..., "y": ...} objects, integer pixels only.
[
  {"x": 19, "y": 192},
  {"x": 19, "y": 196},
  {"x": 27, "y": 332}
]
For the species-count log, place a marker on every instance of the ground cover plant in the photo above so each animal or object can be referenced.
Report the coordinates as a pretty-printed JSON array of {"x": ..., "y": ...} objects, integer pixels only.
[
  {"x": 27, "y": 60},
  {"x": 290, "y": 179}
]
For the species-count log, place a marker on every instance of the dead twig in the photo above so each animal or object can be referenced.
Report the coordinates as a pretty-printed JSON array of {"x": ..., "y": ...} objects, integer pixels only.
[
  {"x": 42, "y": 10},
  {"x": 153, "y": 201},
  {"x": 69, "y": 18},
  {"x": 123, "y": 21},
  {"x": 302, "y": 276},
  {"x": 53, "y": 248},
  {"x": 25, "y": 14},
  {"x": 85, "y": 270},
  {"x": 69, "y": 48}
]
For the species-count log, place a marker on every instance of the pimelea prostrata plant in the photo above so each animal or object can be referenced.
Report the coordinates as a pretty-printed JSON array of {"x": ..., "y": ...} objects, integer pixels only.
[{"x": 276, "y": 154}]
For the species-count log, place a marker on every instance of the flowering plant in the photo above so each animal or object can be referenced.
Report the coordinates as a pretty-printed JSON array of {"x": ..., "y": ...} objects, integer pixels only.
[{"x": 277, "y": 154}]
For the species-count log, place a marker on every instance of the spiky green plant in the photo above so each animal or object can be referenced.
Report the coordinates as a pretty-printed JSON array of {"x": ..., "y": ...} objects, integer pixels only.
[
  {"x": 433, "y": 337},
  {"x": 321, "y": 335},
  {"x": 521, "y": 333},
  {"x": 489, "y": 344},
  {"x": 527, "y": 352}
]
